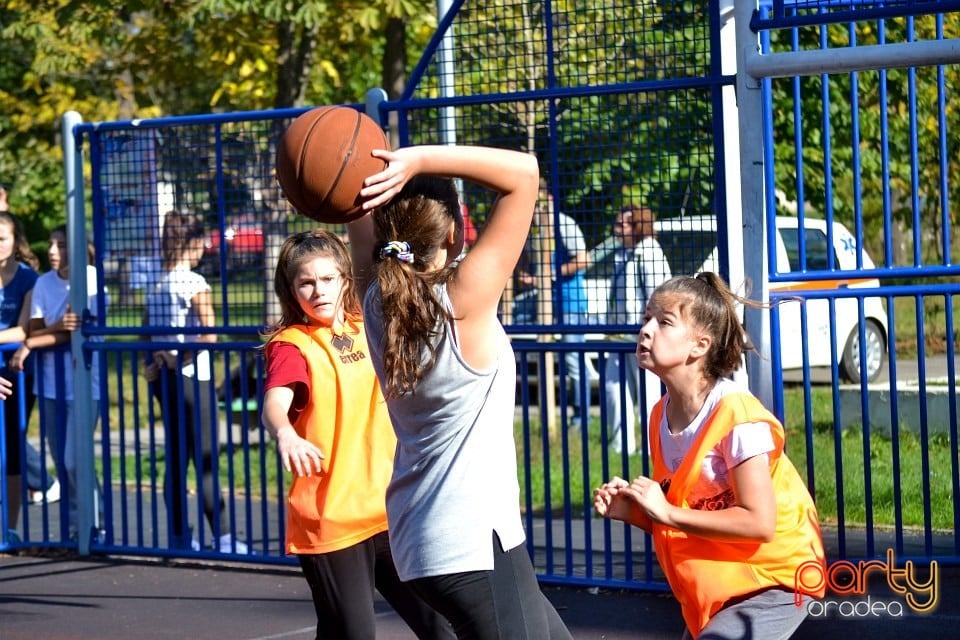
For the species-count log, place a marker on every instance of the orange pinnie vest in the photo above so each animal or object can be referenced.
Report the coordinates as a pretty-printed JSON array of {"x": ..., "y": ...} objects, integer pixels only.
[
  {"x": 347, "y": 419},
  {"x": 705, "y": 574}
]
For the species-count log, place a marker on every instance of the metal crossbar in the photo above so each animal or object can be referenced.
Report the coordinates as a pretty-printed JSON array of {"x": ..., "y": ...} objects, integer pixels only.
[{"x": 789, "y": 14}]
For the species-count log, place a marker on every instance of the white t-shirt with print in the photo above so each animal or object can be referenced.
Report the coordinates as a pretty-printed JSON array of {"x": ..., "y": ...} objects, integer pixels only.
[{"x": 743, "y": 442}]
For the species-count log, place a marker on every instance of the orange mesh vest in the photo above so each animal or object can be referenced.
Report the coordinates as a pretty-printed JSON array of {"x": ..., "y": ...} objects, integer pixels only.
[
  {"x": 704, "y": 574},
  {"x": 347, "y": 419}
]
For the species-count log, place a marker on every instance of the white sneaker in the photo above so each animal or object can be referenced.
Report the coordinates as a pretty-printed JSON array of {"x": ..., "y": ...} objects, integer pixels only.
[
  {"x": 227, "y": 542},
  {"x": 52, "y": 494},
  {"x": 195, "y": 544}
]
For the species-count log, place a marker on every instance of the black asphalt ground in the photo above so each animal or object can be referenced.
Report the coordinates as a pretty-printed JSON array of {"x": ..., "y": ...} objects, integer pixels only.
[{"x": 68, "y": 597}]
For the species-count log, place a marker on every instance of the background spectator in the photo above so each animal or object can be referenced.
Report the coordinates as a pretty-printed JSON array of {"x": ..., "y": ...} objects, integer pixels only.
[
  {"x": 16, "y": 281},
  {"x": 18, "y": 274},
  {"x": 571, "y": 259},
  {"x": 180, "y": 381},
  {"x": 51, "y": 324},
  {"x": 639, "y": 268}
]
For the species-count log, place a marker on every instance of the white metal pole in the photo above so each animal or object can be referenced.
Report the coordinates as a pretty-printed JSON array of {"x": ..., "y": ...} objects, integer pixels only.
[
  {"x": 750, "y": 116},
  {"x": 731, "y": 158},
  {"x": 448, "y": 126},
  {"x": 861, "y": 58},
  {"x": 83, "y": 414}
]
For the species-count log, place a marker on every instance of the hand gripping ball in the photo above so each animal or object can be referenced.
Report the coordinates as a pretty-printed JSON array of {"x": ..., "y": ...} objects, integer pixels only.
[{"x": 323, "y": 158}]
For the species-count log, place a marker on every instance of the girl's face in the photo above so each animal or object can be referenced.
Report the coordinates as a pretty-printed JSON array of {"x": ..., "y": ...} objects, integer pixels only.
[
  {"x": 57, "y": 252},
  {"x": 667, "y": 338},
  {"x": 318, "y": 286},
  {"x": 7, "y": 241}
]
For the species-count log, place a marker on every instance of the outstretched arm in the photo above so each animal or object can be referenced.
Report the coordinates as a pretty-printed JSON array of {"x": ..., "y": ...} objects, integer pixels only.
[
  {"x": 297, "y": 454},
  {"x": 40, "y": 336}
]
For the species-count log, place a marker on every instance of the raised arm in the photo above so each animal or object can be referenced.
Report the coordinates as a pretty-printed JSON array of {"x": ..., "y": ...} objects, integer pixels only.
[
  {"x": 360, "y": 237},
  {"x": 483, "y": 274}
]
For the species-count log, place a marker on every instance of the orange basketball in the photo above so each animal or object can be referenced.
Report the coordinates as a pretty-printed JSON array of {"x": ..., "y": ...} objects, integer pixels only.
[{"x": 323, "y": 158}]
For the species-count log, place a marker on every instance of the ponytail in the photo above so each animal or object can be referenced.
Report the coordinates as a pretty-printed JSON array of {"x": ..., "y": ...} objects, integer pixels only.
[{"x": 410, "y": 229}]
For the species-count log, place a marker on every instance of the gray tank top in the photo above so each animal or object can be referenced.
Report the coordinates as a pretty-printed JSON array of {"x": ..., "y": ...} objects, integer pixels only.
[{"x": 455, "y": 471}]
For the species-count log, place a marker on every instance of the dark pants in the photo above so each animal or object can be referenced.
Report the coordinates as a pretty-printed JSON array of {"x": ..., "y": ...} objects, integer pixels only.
[
  {"x": 502, "y": 604},
  {"x": 188, "y": 427},
  {"x": 342, "y": 583},
  {"x": 11, "y": 417}
]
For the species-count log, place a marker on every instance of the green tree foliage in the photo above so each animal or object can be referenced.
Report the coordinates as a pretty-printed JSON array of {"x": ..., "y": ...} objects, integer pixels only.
[
  {"x": 628, "y": 143},
  {"x": 170, "y": 57},
  {"x": 175, "y": 57},
  {"x": 48, "y": 67}
]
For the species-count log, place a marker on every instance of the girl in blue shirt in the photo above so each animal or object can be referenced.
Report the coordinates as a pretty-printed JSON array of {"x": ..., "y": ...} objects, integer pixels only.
[{"x": 17, "y": 276}]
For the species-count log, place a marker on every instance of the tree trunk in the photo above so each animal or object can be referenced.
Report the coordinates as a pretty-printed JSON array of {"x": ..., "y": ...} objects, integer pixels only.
[
  {"x": 394, "y": 76},
  {"x": 295, "y": 53}
]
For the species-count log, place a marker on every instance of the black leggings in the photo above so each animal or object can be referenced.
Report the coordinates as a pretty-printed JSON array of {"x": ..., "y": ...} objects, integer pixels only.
[
  {"x": 184, "y": 433},
  {"x": 495, "y": 605},
  {"x": 342, "y": 584},
  {"x": 11, "y": 417}
]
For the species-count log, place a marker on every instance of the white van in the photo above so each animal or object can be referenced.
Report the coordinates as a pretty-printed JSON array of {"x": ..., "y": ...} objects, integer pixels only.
[
  {"x": 818, "y": 311},
  {"x": 690, "y": 246}
]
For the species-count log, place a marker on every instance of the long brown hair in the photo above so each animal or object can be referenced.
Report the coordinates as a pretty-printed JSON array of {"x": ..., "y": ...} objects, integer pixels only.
[
  {"x": 21, "y": 248},
  {"x": 298, "y": 249},
  {"x": 707, "y": 300},
  {"x": 413, "y": 314},
  {"x": 179, "y": 231}
]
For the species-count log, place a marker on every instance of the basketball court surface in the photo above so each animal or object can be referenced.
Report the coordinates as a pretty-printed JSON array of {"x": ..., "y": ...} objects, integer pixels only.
[{"x": 68, "y": 597}]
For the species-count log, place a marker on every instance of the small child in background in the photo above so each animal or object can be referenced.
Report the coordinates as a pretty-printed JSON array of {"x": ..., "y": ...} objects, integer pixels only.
[
  {"x": 323, "y": 406},
  {"x": 731, "y": 519},
  {"x": 180, "y": 380}
]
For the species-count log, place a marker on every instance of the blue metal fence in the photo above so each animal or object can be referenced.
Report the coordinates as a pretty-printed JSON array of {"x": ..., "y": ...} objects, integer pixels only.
[
  {"x": 633, "y": 113},
  {"x": 847, "y": 142}
]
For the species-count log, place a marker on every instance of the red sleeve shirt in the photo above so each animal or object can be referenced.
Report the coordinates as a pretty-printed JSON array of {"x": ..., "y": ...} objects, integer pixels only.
[{"x": 286, "y": 367}]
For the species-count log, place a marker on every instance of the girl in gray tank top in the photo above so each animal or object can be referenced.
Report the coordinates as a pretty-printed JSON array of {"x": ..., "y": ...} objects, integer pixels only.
[{"x": 448, "y": 376}]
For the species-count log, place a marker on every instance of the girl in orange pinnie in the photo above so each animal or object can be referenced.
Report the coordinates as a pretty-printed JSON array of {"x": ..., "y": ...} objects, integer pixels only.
[
  {"x": 731, "y": 520},
  {"x": 323, "y": 405}
]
